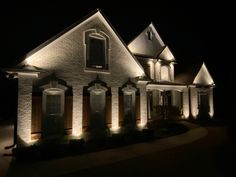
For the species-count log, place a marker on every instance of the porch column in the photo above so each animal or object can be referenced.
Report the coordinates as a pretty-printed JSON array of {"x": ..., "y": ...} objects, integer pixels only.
[
  {"x": 152, "y": 69},
  {"x": 172, "y": 72},
  {"x": 143, "y": 103},
  {"x": 211, "y": 103},
  {"x": 194, "y": 102},
  {"x": 115, "y": 108},
  {"x": 24, "y": 108},
  {"x": 173, "y": 98},
  {"x": 77, "y": 110},
  {"x": 185, "y": 103}
]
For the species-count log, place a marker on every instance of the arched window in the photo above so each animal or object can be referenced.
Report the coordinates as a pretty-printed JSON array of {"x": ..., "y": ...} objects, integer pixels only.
[
  {"x": 129, "y": 105},
  {"x": 165, "y": 73},
  {"x": 54, "y": 102},
  {"x": 96, "y": 50},
  {"x": 53, "y": 109},
  {"x": 97, "y": 106}
]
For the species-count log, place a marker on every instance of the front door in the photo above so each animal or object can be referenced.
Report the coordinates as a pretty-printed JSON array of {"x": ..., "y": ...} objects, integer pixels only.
[{"x": 203, "y": 104}]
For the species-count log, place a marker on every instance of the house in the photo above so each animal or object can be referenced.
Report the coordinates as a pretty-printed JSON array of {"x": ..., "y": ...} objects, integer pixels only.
[{"x": 86, "y": 79}]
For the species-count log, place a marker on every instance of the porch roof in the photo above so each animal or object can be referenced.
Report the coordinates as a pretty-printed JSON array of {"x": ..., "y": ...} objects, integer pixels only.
[
  {"x": 166, "y": 86},
  {"x": 25, "y": 70}
]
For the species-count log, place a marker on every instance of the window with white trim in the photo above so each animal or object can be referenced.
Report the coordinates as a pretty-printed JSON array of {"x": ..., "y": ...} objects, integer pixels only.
[
  {"x": 165, "y": 73},
  {"x": 53, "y": 106},
  {"x": 96, "y": 50},
  {"x": 53, "y": 102}
]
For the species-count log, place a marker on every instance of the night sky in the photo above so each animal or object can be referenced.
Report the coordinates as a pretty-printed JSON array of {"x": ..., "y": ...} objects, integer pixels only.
[{"x": 194, "y": 32}]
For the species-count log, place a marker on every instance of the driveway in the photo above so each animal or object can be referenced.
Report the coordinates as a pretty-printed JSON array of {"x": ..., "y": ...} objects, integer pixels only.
[
  {"x": 138, "y": 159},
  {"x": 212, "y": 155}
]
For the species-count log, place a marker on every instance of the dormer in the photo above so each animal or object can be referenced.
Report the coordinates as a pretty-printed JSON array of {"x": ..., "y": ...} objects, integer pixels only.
[
  {"x": 165, "y": 66},
  {"x": 148, "y": 43}
]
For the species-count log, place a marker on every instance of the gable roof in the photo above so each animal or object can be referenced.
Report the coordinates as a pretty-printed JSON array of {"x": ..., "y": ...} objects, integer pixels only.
[
  {"x": 53, "y": 38},
  {"x": 166, "y": 54},
  {"x": 203, "y": 77},
  {"x": 73, "y": 27},
  {"x": 143, "y": 46}
]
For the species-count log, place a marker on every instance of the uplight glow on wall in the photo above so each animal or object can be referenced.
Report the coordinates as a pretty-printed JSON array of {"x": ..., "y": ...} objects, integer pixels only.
[{"x": 74, "y": 58}]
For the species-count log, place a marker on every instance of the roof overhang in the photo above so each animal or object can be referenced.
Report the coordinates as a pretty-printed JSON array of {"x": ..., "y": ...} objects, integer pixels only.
[
  {"x": 16, "y": 72},
  {"x": 166, "y": 86},
  {"x": 202, "y": 86}
]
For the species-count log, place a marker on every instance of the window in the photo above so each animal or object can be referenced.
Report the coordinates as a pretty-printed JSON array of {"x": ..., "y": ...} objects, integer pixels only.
[
  {"x": 97, "y": 114},
  {"x": 97, "y": 102},
  {"x": 53, "y": 106},
  {"x": 149, "y": 35},
  {"x": 129, "y": 93},
  {"x": 96, "y": 50},
  {"x": 53, "y": 102},
  {"x": 165, "y": 75},
  {"x": 128, "y": 105}
]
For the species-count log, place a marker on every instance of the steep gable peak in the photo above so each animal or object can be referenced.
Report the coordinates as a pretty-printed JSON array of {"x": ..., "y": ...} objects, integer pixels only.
[
  {"x": 167, "y": 55},
  {"x": 147, "y": 43},
  {"x": 152, "y": 27},
  {"x": 71, "y": 37},
  {"x": 203, "y": 77}
]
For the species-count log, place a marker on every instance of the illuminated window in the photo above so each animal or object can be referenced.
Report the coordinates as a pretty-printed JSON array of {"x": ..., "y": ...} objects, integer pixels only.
[
  {"x": 96, "y": 50},
  {"x": 165, "y": 75}
]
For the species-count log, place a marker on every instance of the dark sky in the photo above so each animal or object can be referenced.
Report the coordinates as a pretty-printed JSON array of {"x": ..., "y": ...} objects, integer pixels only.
[
  {"x": 187, "y": 28},
  {"x": 194, "y": 31}
]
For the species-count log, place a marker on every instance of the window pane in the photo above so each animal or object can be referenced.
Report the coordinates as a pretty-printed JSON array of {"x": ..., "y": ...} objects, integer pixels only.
[
  {"x": 97, "y": 57},
  {"x": 128, "y": 103}
]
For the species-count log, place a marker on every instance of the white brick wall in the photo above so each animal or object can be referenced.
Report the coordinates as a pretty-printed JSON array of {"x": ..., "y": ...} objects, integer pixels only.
[
  {"x": 115, "y": 108},
  {"x": 66, "y": 57},
  {"x": 211, "y": 103},
  {"x": 143, "y": 103},
  {"x": 194, "y": 104},
  {"x": 77, "y": 112},
  {"x": 24, "y": 110},
  {"x": 186, "y": 103}
]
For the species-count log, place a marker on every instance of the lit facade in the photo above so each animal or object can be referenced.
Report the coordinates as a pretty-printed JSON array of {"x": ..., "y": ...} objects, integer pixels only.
[{"x": 87, "y": 79}]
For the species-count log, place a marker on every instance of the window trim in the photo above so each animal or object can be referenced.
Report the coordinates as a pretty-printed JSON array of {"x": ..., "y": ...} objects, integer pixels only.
[
  {"x": 130, "y": 90},
  {"x": 99, "y": 35},
  {"x": 54, "y": 91},
  {"x": 169, "y": 73}
]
